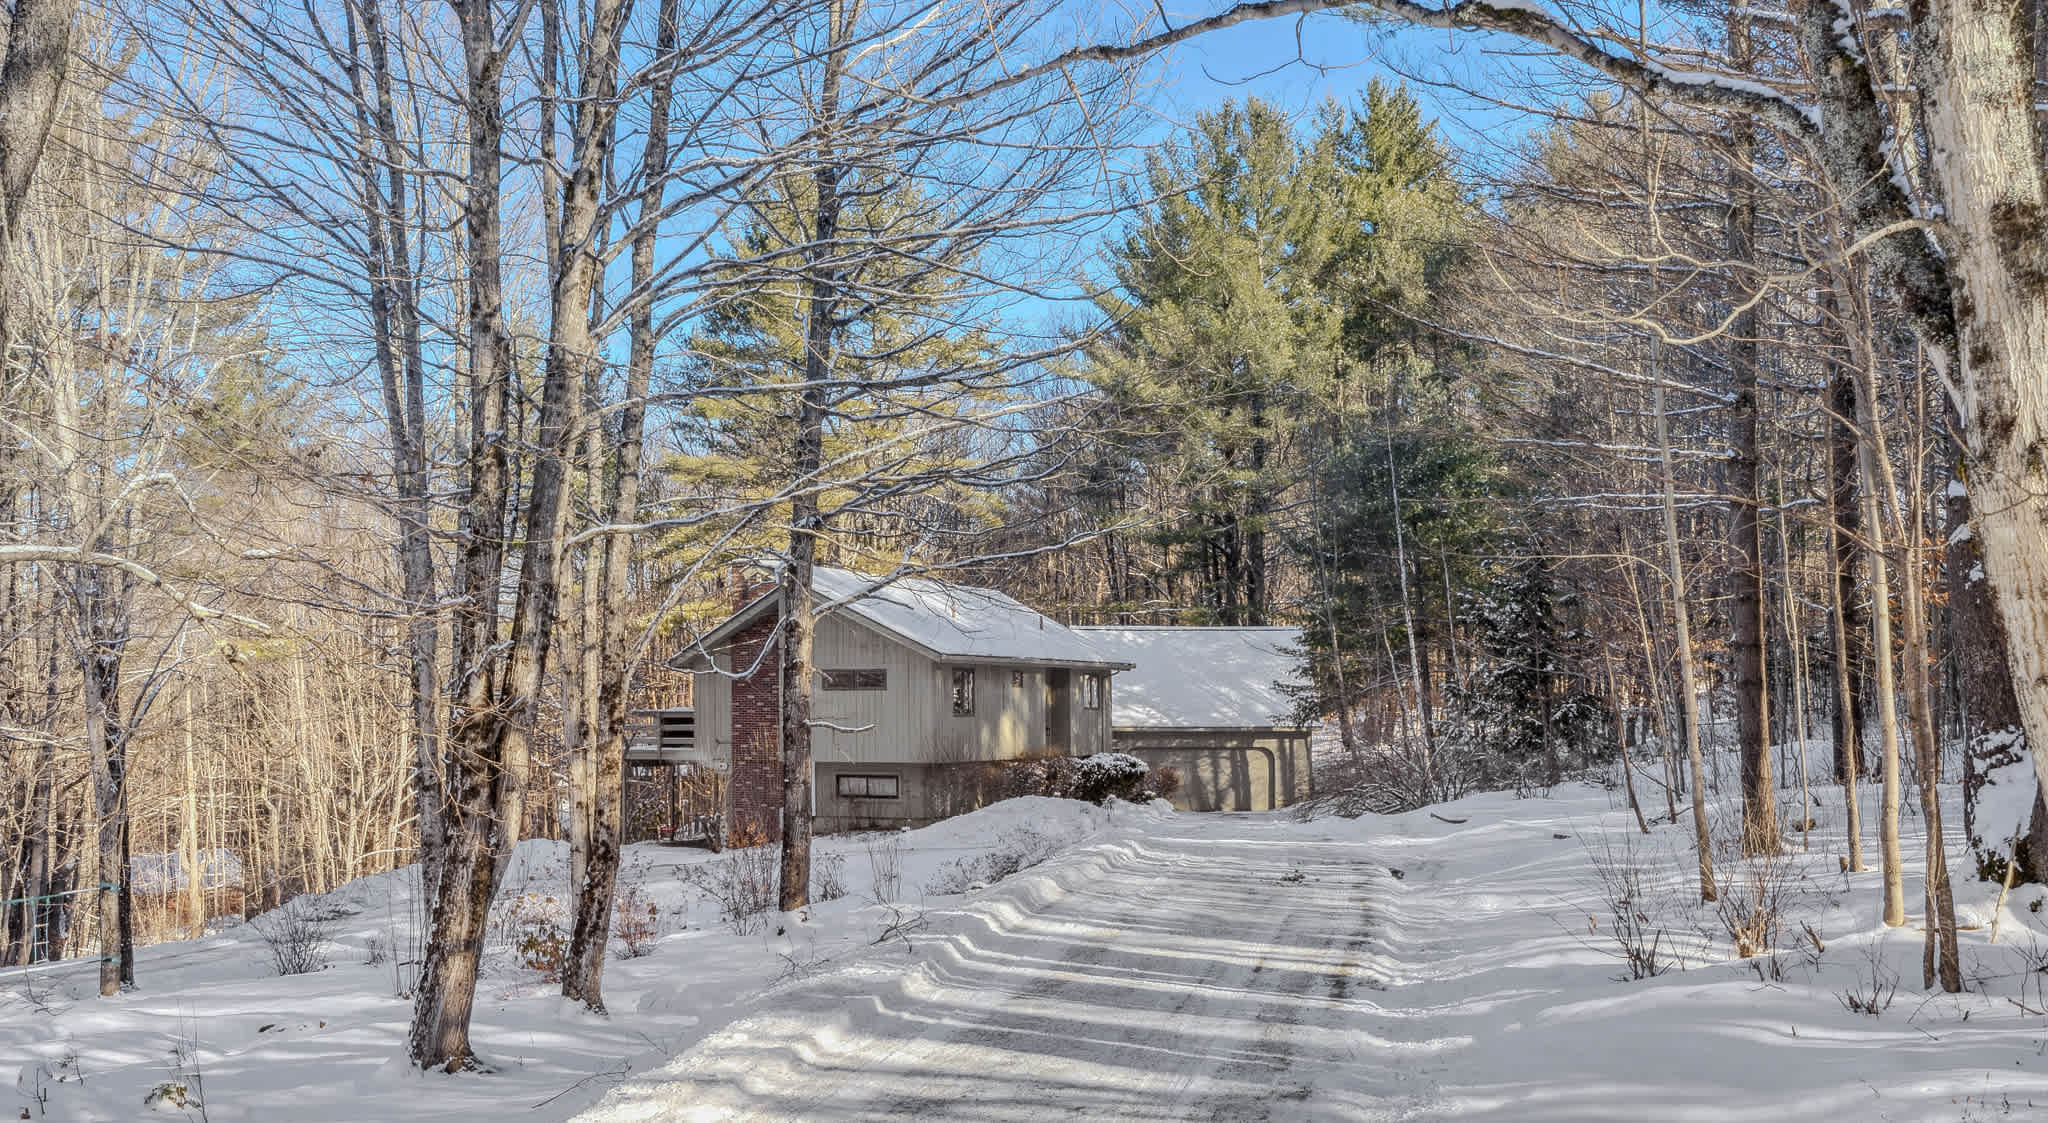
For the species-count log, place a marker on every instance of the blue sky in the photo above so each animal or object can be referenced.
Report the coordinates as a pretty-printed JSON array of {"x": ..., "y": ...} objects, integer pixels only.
[{"x": 1295, "y": 63}]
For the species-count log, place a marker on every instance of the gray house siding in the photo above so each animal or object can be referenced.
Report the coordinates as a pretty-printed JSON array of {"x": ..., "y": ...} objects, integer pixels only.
[
  {"x": 911, "y": 718},
  {"x": 871, "y": 725},
  {"x": 1008, "y": 722},
  {"x": 891, "y": 655},
  {"x": 713, "y": 700},
  {"x": 926, "y": 793},
  {"x": 1089, "y": 731}
]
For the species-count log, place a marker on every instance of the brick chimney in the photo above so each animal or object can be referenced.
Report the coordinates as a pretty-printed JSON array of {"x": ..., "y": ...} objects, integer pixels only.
[
  {"x": 744, "y": 592},
  {"x": 754, "y": 791}
]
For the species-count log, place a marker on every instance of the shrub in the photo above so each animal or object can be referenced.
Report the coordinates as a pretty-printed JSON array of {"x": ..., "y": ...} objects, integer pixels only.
[
  {"x": 828, "y": 877},
  {"x": 173, "y": 1095},
  {"x": 297, "y": 937},
  {"x": 885, "y": 865},
  {"x": 1638, "y": 939},
  {"x": 1163, "y": 783},
  {"x": 742, "y": 882},
  {"x": 1013, "y": 852},
  {"x": 1751, "y": 908},
  {"x": 636, "y": 921},
  {"x": 536, "y": 925},
  {"x": 1872, "y": 991},
  {"x": 1098, "y": 777}
]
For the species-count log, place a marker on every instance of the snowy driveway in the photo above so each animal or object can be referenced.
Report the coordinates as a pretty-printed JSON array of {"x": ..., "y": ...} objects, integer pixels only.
[{"x": 1221, "y": 968}]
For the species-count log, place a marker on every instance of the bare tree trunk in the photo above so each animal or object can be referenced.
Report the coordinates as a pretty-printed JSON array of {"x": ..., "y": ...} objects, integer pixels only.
[
  {"x": 41, "y": 813},
  {"x": 1795, "y": 640},
  {"x": 799, "y": 610},
  {"x": 31, "y": 90},
  {"x": 1847, "y": 728},
  {"x": 1688, "y": 692},
  {"x": 1750, "y": 626},
  {"x": 1980, "y": 120},
  {"x": 1990, "y": 708},
  {"x": 1422, "y": 716},
  {"x": 578, "y": 678},
  {"x": 1628, "y": 772},
  {"x": 1940, "y": 899},
  {"x": 486, "y": 744},
  {"x": 1846, "y": 528},
  {"x": 1347, "y": 734},
  {"x": 1881, "y": 643},
  {"x": 1635, "y": 592},
  {"x": 607, "y": 829},
  {"x": 1260, "y": 512},
  {"x": 99, "y": 663},
  {"x": 189, "y": 848},
  {"x": 395, "y": 323}
]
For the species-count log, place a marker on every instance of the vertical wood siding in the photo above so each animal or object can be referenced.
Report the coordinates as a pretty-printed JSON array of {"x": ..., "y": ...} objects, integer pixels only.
[{"x": 912, "y": 719}]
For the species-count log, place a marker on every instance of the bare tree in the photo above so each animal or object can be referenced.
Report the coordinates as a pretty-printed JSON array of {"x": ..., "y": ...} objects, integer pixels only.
[{"x": 1965, "y": 285}]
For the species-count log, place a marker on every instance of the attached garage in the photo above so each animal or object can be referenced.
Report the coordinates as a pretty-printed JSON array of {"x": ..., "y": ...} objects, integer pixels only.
[{"x": 1212, "y": 704}]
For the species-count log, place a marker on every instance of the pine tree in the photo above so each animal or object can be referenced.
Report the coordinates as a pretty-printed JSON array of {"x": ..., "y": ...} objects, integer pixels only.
[
  {"x": 902, "y": 367},
  {"x": 1259, "y": 307},
  {"x": 1526, "y": 717}
]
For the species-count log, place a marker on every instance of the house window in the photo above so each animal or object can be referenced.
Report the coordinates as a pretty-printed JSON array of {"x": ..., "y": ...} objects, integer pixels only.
[
  {"x": 865, "y": 679},
  {"x": 866, "y": 787},
  {"x": 963, "y": 690},
  {"x": 1091, "y": 691},
  {"x": 1017, "y": 680}
]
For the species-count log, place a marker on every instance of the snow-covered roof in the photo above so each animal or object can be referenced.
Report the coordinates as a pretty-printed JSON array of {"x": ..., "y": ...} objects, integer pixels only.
[
  {"x": 938, "y": 618},
  {"x": 955, "y": 621},
  {"x": 1200, "y": 678},
  {"x": 164, "y": 871}
]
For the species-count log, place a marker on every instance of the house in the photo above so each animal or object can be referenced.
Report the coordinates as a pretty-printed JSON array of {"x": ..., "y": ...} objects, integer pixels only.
[
  {"x": 1209, "y": 703},
  {"x": 924, "y": 690}
]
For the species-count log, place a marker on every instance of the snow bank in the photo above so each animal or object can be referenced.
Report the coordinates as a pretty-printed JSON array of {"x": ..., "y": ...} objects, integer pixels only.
[{"x": 329, "y": 1045}]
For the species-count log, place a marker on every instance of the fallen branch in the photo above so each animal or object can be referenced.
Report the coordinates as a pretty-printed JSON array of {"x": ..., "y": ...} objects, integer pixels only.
[{"x": 1453, "y": 822}]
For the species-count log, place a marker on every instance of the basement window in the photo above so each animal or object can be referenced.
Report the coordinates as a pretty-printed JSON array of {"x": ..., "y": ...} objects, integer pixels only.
[
  {"x": 866, "y": 787},
  {"x": 864, "y": 679},
  {"x": 1091, "y": 691},
  {"x": 963, "y": 690}
]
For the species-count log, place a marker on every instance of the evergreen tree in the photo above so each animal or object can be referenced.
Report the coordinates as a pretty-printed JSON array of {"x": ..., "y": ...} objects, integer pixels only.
[
  {"x": 1257, "y": 312},
  {"x": 909, "y": 357},
  {"x": 1526, "y": 718}
]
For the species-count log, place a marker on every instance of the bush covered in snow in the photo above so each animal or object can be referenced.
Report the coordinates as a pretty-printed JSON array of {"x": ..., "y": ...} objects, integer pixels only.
[
  {"x": 1013, "y": 852},
  {"x": 1103, "y": 775}
]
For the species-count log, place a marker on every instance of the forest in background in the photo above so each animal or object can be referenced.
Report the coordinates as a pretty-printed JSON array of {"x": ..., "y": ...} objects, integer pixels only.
[{"x": 392, "y": 387}]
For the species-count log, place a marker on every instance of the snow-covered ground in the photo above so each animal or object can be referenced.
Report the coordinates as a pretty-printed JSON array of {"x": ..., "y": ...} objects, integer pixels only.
[{"x": 1152, "y": 965}]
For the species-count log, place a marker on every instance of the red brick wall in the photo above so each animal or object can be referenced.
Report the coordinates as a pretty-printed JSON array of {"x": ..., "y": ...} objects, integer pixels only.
[{"x": 754, "y": 794}]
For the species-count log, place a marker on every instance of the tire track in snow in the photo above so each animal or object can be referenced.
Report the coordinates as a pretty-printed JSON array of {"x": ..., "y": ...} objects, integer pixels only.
[{"x": 1220, "y": 968}]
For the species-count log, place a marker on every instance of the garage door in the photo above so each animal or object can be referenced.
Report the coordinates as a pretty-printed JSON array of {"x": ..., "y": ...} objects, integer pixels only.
[{"x": 1216, "y": 779}]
